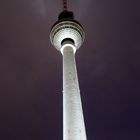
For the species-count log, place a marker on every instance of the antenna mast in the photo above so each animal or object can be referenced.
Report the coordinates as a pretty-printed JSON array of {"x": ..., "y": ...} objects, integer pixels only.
[{"x": 65, "y": 7}]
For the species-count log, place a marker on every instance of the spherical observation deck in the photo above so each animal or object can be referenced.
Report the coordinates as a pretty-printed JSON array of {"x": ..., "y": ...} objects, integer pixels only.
[{"x": 66, "y": 28}]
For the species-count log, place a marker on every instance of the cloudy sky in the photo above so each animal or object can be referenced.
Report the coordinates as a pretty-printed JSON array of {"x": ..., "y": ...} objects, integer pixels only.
[{"x": 108, "y": 66}]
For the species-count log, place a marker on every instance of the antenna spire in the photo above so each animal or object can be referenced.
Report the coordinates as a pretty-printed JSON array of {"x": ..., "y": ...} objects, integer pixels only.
[{"x": 65, "y": 7}]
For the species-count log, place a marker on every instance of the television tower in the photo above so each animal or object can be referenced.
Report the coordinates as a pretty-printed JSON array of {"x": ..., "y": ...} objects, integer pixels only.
[{"x": 67, "y": 36}]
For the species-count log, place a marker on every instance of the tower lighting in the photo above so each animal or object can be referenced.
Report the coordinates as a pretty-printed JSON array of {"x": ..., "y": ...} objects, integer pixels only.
[{"x": 67, "y": 36}]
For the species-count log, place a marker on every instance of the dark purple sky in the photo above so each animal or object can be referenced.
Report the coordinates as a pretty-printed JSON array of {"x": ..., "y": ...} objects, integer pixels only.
[{"x": 31, "y": 69}]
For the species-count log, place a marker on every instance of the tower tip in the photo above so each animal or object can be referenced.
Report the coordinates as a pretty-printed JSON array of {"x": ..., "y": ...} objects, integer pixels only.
[
  {"x": 65, "y": 14},
  {"x": 65, "y": 7}
]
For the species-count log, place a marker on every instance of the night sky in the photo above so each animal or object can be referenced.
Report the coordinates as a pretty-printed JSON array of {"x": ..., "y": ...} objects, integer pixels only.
[{"x": 108, "y": 66}]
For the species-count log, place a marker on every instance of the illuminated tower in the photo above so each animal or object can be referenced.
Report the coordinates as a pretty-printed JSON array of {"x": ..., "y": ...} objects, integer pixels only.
[{"x": 67, "y": 36}]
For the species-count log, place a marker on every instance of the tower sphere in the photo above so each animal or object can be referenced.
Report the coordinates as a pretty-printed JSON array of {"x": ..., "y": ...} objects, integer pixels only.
[{"x": 66, "y": 28}]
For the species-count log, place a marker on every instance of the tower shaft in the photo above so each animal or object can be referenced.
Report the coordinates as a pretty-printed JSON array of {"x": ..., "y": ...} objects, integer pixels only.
[{"x": 73, "y": 121}]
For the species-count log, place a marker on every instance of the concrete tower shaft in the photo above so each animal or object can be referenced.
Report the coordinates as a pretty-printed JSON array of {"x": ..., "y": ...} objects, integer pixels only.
[{"x": 73, "y": 121}]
